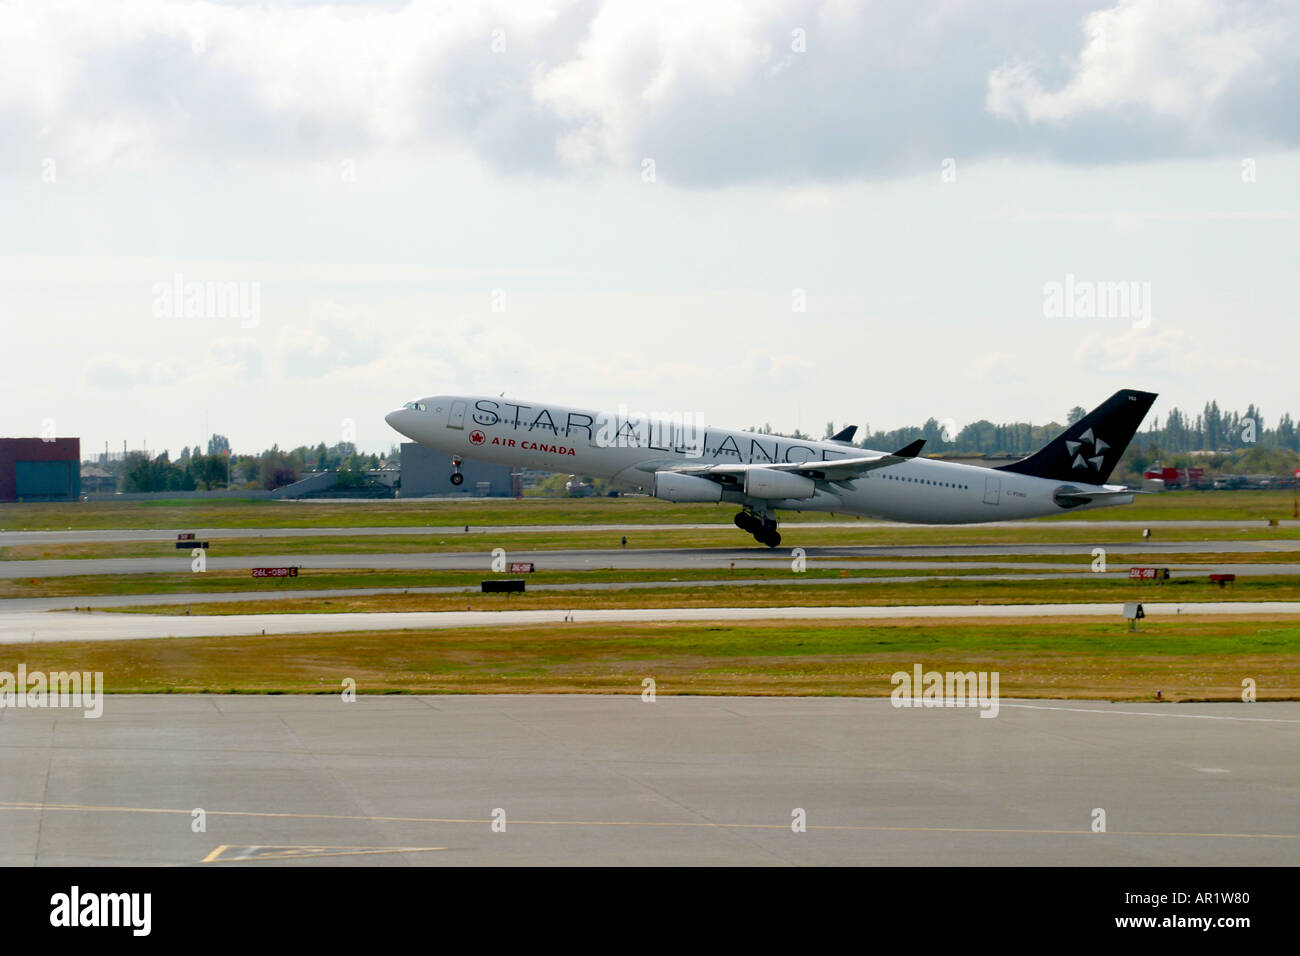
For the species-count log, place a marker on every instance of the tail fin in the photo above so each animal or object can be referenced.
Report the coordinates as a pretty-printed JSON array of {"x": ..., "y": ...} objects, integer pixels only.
[{"x": 1089, "y": 449}]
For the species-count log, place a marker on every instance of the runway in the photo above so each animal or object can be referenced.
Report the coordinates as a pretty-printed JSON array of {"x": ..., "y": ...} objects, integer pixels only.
[
  {"x": 401, "y": 781},
  {"x": 37, "y": 627},
  {"x": 104, "y": 601},
  {"x": 618, "y": 558},
  {"x": 168, "y": 535}
]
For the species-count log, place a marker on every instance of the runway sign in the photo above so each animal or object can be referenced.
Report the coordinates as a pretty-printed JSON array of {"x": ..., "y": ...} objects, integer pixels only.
[
  {"x": 1155, "y": 574},
  {"x": 275, "y": 572}
]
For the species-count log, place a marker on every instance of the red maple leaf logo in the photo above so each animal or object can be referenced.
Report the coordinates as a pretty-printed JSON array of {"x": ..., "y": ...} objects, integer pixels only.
[{"x": 476, "y": 437}]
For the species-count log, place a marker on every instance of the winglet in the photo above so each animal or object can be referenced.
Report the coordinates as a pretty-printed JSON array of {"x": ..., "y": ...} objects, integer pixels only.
[
  {"x": 910, "y": 451},
  {"x": 845, "y": 434}
]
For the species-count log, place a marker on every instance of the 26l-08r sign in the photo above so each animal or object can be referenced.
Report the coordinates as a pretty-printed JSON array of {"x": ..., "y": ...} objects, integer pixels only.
[{"x": 275, "y": 572}]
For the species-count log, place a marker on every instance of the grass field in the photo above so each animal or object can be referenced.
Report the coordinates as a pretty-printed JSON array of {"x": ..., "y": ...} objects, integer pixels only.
[
  {"x": 246, "y": 513},
  {"x": 1193, "y": 658},
  {"x": 1186, "y": 658},
  {"x": 230, "y": 582},
  {"x": 226, "y": 581}
]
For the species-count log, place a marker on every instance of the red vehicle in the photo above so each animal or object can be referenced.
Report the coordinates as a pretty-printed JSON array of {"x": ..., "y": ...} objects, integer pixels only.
[{"x": 1176, "y": 477}]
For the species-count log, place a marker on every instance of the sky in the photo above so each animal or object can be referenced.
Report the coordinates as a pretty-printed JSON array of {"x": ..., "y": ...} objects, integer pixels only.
[{"x": 748, "y": 212}]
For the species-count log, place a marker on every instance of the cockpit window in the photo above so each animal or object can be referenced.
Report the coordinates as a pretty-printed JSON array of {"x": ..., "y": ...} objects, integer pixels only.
[{"x": 415, "y": 406}]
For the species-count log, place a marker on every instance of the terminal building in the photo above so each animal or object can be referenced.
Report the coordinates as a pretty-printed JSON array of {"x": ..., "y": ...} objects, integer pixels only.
[
  {"x": 426, "y": 472},
  {"x": 40, "y": 469}
]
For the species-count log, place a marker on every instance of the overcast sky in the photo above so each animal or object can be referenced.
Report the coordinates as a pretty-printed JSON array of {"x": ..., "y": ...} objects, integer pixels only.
[{"x": 752, "y": 211}]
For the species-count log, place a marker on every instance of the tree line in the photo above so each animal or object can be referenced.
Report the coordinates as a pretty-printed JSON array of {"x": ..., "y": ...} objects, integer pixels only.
[
  {"x": 1212, "y": 430},
  {"x": 218, "y": 468}
]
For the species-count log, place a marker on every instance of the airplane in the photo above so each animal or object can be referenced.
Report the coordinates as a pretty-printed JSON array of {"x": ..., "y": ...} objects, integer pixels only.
[{"x": 675, "y": 460}]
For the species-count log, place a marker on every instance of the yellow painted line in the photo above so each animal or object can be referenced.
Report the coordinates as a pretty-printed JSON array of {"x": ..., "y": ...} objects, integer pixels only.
[
  {"x": 640, "y": 823},
  {"x": 214, "y": 854},
  {"x": 311, "y": 852}
]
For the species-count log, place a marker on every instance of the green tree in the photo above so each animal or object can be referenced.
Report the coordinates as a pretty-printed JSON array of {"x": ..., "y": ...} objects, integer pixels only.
[
  {"x": 208, "y": 471},
  {"x": 278, "y": 469}
]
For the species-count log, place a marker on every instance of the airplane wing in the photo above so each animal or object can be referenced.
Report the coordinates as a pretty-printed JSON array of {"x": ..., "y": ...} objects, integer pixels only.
[{"x": 838, "y": 469}]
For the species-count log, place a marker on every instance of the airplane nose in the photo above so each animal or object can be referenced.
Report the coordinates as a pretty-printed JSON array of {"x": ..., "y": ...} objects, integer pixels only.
[{"x": 395, "y": 418}]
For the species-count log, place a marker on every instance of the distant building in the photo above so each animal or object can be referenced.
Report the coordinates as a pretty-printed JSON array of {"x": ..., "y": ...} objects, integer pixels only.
[
  {"x": 96, "y": 479},
  {"x": 428, "y": 472},
  {"x": 40, "y": 469},
  {"x": 531, "y": 476}
]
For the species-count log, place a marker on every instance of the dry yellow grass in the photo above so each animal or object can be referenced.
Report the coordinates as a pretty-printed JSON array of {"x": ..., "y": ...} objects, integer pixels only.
[{"x": 1188, "y": 658}]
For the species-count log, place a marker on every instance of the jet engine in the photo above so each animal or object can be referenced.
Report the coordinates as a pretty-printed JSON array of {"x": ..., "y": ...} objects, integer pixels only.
[
  {"x": 671, "y": 486},
  {"x": 766, "y": 483}
]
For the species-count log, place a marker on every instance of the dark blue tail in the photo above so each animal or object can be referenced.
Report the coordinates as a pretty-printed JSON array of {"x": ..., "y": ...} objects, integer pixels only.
[{"x": 1089, "y": 449}]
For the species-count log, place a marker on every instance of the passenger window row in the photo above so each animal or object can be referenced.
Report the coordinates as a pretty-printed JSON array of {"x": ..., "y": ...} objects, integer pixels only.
[{"x": 927, "y": 481}]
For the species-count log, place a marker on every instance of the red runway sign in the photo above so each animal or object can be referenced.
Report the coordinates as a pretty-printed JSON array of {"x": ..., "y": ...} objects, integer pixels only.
[
  {"x": 521, "y": 567},
  {"x": 1152, "y": 573},
  {"x": 275, "y": 572}
]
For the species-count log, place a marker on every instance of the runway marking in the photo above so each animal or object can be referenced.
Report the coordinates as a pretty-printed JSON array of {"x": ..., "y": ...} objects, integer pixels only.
[
  {"x": 1147, "y": 713},
  {"x": 6, "y": 805},
  {"x": 256, "y": 852}
]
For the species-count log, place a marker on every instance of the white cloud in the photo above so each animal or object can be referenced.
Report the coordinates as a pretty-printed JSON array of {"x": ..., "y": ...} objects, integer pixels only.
[
  {"x": 641, "y": 61},
  {"x": 1173, "y": 59},
  {"x": 715, "y": 91},
  {"x": 1180, "y": 355},
  {"x": 117, "y": 373}
]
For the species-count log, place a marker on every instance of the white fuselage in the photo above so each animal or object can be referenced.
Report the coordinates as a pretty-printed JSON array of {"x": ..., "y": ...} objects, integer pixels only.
[{"x": 630, "y": 449}]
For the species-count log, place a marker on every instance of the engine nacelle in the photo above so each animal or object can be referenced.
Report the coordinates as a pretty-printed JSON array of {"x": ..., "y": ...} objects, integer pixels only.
[
  {"x": 671, "y": 486},
  {"x": 766, "y": 483}
]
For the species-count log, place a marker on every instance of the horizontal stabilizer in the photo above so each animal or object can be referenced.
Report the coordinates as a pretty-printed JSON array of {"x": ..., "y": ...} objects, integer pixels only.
[{"x": 1071, "y": 497}]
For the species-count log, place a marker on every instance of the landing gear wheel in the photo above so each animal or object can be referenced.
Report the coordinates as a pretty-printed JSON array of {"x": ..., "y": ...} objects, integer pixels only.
[
  {"x": 767, "y": 534},
  {"x": 457, "y": 478},
  {"x": 747, "y": 522}
]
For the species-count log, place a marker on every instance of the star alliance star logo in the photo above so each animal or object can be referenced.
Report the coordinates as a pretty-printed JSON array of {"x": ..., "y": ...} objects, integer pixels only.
[{"x": 1098, "y": 451}]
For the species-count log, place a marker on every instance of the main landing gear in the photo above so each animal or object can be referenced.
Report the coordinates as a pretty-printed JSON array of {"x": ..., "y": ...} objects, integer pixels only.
[
  {"x": 456, "y": 477},
  {"x": 763, "y": 529}
]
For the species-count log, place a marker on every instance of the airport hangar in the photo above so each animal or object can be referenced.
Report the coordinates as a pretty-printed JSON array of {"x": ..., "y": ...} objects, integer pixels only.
[
  {"x": 427, "y": 472},
  {"x": 40, "y": 469}
]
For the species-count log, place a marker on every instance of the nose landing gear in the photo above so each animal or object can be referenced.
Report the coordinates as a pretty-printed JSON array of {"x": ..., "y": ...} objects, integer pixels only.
[
  {"x": 456, "y": 477},
  {"x": 763, "y": 529}
]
